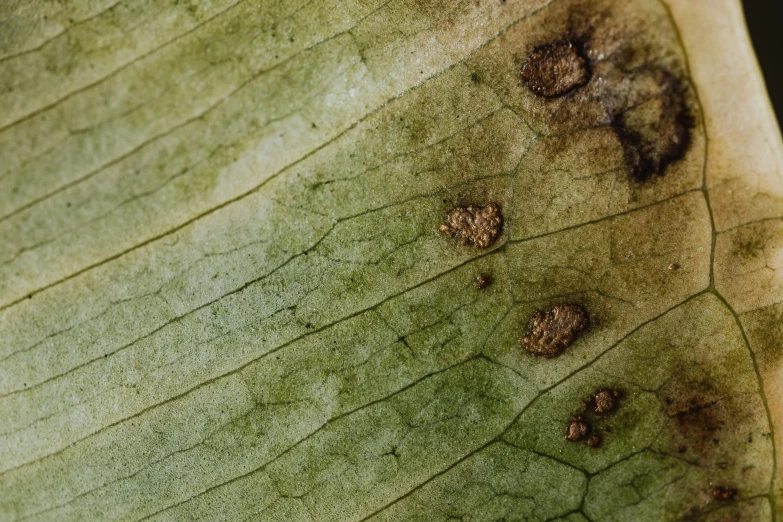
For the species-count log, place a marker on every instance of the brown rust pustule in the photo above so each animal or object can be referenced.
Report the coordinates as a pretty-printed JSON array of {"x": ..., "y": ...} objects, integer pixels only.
[
  {"x": 555, "y": 69},
  {"x": 577, "y": 429},
  {"x": 474, "y": 225},
  {"x": 605, "y": 401},
  {"x": 552, "y": 330}
]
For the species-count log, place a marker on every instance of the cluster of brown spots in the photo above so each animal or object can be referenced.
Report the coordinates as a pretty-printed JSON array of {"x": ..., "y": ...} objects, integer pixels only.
[
  {"x": 724, "y": 493},
  {"x": 553, "y": 330},
  {"x": 601, "y": 402},
  {"x": 555, "y": 69},
  {"x": 473, "y": 225},
  {"x": 577, "y": 429},
  {"x": 483, "y": 281}
]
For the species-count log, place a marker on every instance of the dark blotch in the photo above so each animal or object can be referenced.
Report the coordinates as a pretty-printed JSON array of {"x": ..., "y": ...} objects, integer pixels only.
[
  {"x": 555, "y": 69},
  {"x": 656, "y": 133},
  {"x": 698, "y": 415},
  {"x": 553, "y": 330},
  {"x": 724, "y": 493}
]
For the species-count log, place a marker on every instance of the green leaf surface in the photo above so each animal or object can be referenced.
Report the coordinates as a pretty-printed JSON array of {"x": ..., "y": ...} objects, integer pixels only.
[{"x": 223, "y": 294}]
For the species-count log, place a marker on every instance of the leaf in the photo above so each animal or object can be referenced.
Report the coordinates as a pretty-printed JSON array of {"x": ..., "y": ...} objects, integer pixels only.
[{"x": 224, "y": 295}]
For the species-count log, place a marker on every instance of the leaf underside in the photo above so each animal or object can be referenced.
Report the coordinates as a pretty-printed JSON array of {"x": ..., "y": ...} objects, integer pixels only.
[{"x": 223, "y": 294}]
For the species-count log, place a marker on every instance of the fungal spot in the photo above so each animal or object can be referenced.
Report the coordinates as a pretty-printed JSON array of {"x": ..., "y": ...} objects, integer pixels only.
[
  {"x": 553, "y": 330},
  {"x": 674, "y": 266},
  {"x": 483, "y": 281},
  {"x": 555, "y": 69},
  {"x": 722, "y": 493},
  {"x": 594, "y": 441},
  {"x": 605, "y": 401},
  {"x": 577, "y": 429},
  {"x": 474, "y": 225}
]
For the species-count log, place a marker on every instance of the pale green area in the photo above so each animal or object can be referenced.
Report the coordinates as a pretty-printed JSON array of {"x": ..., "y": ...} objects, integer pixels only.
[{"x": 224, "y": 214}]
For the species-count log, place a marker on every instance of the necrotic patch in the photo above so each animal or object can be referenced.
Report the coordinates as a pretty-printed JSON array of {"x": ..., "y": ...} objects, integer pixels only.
[
  {"x": 555, "y": 69},
  {"x": 474, "y": 225},
  {"x": 553, "y": 330}
]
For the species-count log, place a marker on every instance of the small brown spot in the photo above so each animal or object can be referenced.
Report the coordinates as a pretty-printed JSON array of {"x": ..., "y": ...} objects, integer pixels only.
[
  {"x": 553, "y": 330},
  {"x": 483, "y": 281},
  {"x": 473, "y": 225},
  {"x": 674, "y": 266},
  {"x": 605, "y": 400},
  {"x": 594, "y": 441},
  {"x": 555, "y": 69},
  {"x": 724, "y": 493},
  {"x": 577, "y": 429}
]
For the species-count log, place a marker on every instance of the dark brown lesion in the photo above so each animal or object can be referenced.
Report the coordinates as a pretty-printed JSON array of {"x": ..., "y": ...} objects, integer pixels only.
[
  {"x": 552, "y": 330},
  {"x": 474, "y": 225},
  {"x": 555, "y": 69},
  {"x": 604, "y": 401},
  {"x": 577, "y": 429}
]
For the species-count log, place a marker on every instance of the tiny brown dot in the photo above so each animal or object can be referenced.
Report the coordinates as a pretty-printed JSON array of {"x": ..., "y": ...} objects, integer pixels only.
[
  {"x": 483, "y": 281},
  {"x": 594, "y": 441}
]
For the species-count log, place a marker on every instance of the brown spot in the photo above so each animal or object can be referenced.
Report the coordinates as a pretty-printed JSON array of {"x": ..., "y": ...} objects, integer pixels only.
[
  {"x": 674, "y": 266},
  {"x": 483, "y": 281},
  {"x": 555, "y": 69},
  {"x": 553, "y": 330},
  {"x": 577, "y": 429},
  {"x": 724, "y": 493},
  {"x": 605, "y": 400},
  {"x": 594, "y": 441},
  {"x": 473, "y": 225}
]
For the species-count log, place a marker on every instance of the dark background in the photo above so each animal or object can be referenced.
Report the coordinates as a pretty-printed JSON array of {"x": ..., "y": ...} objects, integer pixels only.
[{"x": 765, "y": 21}]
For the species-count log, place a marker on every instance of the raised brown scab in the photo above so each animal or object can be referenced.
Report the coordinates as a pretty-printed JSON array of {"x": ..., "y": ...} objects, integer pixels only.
[
  {"x": 605, "y": 401},
  {"x": 594, "y": 441},
  {"x": 555, "y": 69},
  {"x": 577, "y": 429},
  {"x": 724, "y": 493},
  {"x": 553, "y": 330},
  {"x": 474, "y": 225}
]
